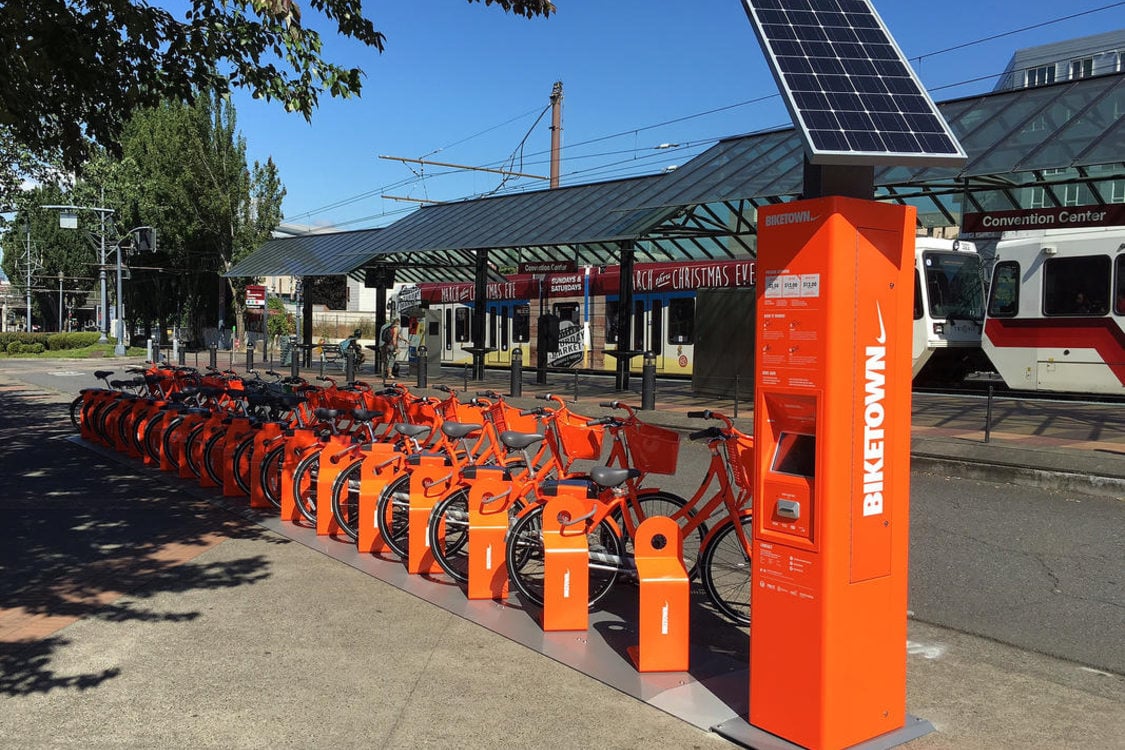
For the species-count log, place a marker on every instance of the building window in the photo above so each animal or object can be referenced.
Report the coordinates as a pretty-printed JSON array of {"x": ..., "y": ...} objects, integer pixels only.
[
  {"x": 1040, "y": 76},
  {"x": 1036, "y": 197},
  {"x": 1071, "y": 194},
  {"x": 1083, "y": 68}
]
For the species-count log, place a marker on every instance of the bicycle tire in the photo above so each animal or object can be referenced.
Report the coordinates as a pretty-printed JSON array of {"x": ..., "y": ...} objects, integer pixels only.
[
  {"x": 725, "y": 571},
  {"x": 448, "y": 533},
  {"x": 189, "y": 449},
  {"x": 76, "y": 413},
  {"x": 241, "y": 461},
  {"x": 345, "y": 498},
  {"x": 392, "y": 515},
  {"x": 166, "y": 441},
  {"x": 153, "y": 436},
  {"x": 269, "y": 474},
  {"x": 526, "y": 561},
  {"x": 212, "y": 457},
  {"x": 304, "y": 485},
  {"x": 661, "y": 503}
]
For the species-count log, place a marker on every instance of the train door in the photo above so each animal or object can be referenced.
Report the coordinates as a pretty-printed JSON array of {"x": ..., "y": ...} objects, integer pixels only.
[
  {"x": 508, "y": 324},
  {"x": 456, "y": 333}
]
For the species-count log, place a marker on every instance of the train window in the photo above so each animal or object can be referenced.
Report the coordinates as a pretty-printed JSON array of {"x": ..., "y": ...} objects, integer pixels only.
[
  {"x": 491, "y": 328},
  {"x": 917, "y": 295},
  {"x": 521, "y": 324},
  {"x": 1004, "y": 295},
  {"x": 448, "y": 329},
  {"x": 611, "y": 308},
  {"x": 681, "y": 321},
  {"x": 504, "y": 328},
  {"x": 1119, "y": 286},
  {"x": 461, "y": 328},
  {"x": 954, "y": 285},
  {"x": 1076, "y": 286},
  {"x": 656, "y": 341}
]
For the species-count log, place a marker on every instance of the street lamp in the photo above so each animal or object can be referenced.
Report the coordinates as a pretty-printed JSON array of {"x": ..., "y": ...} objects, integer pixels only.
[
  {"x": 69, "y": 220},
  {"x": 60, "y": 301}
]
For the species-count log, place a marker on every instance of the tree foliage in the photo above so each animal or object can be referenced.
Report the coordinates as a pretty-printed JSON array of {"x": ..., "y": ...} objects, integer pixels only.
[{"x": 73, "y": 71}]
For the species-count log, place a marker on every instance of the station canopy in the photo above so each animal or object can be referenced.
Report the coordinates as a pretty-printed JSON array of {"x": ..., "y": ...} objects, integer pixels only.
[{"x": 1062, "y": 144}]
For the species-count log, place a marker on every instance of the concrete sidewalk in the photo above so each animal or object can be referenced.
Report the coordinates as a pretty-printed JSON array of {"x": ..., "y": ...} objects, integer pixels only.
[{"x": 134, "y": 614}]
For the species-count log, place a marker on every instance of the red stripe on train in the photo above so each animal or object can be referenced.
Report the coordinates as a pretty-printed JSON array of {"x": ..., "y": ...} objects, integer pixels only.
[{"x": 1103, "y": 335}]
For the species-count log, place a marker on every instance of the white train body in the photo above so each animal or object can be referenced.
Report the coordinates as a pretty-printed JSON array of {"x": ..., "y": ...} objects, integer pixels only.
[{"x": 1056, "y": 308}]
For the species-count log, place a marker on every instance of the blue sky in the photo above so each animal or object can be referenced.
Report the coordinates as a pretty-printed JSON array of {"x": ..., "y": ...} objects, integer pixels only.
[{"x": 464, "y": 83}]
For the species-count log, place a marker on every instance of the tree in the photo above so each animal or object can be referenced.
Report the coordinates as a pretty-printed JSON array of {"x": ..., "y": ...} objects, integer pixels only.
[
  {"x": 183, "y": 171},
  {"x": 73, "y": 71}
]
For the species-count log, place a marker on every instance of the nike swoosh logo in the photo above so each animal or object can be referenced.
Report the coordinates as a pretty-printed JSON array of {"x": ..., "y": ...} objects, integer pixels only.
[{"x": 882, "y": 337}]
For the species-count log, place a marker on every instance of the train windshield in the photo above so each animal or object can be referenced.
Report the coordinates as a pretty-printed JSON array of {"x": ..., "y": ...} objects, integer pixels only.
[{"x": 954, "y": 285}]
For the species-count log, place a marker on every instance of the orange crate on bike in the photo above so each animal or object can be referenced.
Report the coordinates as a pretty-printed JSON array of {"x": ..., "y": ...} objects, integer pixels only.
[
  {"x": 579, "y": 440},
  {"x": 741, "y": 454},
  {"x": 506, "y": 417},
  {"x": 453, "y": 411},
  {"x": 652, "y": 449}
]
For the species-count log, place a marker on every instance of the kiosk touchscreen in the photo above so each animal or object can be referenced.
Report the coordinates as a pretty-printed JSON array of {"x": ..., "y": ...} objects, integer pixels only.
[{"x": 832, "y": 436}]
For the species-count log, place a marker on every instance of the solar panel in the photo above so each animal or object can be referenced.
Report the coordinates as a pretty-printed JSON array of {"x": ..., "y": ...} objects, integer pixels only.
[{"x": 850, "y": 91}]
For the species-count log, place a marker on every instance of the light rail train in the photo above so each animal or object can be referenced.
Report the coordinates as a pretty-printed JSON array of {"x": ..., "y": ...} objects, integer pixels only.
[
  {"x": 685, "y": 313},
  {"x": 1056, "y": 309}
]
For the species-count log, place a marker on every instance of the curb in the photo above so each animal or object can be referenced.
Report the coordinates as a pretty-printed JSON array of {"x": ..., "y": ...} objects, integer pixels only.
[{"x": 1112, "y": 487}]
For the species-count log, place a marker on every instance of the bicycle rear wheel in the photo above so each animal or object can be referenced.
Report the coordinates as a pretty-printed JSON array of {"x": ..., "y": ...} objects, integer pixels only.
[
  {"x": 725, "y": 570},
  {"x": 526, "y": 557},
  {"x": 213, "y": 457},
  {"x": 392, "y": 515},
  {"x": 166, "y": 441},
  {"x": 153, "y": 431},
  {"x": 345, "y": 498}
]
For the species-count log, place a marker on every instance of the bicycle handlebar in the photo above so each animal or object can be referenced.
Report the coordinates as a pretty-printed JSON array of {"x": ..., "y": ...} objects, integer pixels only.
[{"x": 710, "y": 433}]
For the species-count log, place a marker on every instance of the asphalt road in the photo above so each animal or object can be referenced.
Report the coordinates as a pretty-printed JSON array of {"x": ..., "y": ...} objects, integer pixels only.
[{"x": 226, "y": 649}]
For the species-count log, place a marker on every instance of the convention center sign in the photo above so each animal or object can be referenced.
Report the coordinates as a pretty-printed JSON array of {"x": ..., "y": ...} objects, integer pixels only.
[{"x": 1057, "y": 217}]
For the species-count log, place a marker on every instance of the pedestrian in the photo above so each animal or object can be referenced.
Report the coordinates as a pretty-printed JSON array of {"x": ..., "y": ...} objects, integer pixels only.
[{"x": 389, "y": 339}]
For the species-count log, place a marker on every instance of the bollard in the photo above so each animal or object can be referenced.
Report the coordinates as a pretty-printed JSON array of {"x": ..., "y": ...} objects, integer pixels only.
[
  {"x": 230, "y": 359},
  {"x": 467, "y": 377},
  {"x": 294, "y": 358},
  {"x": 249, "y": 358},
  {"x": 515, "y": 387},
  {"x": 648, "y": 382},
  {"x": 490, "y": 497},
  {"x": 349, "y": 365},
  {"x": 177, "y": 352},
  {"x": 148, "y": 351},
  {"x": 566, "y": 558},
  {"x": 665, "y": 593},
  {"x": 423, "y": 376},
  {"x": 988, "y": 417},
  {"x": 181, "y": 356}
]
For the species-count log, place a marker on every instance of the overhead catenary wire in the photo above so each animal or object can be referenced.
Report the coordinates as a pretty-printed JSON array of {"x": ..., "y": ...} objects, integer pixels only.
[{"x": 676, "y": 120}]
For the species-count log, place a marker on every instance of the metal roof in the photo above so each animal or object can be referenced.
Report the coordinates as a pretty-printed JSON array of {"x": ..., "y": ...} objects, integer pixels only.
[{"x": 705, "y": 208}]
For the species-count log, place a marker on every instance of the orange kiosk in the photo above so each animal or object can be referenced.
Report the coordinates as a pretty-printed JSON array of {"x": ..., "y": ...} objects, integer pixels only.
[{"x": 831, "y": 496}]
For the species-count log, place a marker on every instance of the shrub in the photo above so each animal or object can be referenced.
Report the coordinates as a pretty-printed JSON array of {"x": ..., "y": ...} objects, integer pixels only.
[
  {"x": 36, "y": 348},
  {"x": 75, "y": 340},
  {"x": 14, "y": 347}
]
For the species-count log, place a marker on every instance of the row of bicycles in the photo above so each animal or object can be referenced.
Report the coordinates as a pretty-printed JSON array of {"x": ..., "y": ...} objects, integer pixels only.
[{"x": 319, "y": 450}]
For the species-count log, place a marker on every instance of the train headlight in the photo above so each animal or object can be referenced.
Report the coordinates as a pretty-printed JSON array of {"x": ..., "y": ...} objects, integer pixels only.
[{"x": 939, "y": 329}]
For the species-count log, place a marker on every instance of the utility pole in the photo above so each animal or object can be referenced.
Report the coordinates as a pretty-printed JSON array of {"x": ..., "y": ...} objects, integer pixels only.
[
  {"x": 104, "y": 327},
  {"x": 556, "y": 131},
  {"x": 27, "y": 226}
]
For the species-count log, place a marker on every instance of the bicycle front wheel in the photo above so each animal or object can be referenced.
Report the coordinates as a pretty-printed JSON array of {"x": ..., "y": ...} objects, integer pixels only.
[
  {"x": 660, "y": 503},
  {"x": 304, "y": 485},
  {"x": 449, "y": 535},
  {"x": 242, "y": 460},
  {"x": 270, "y": 475},
  {"x": 526, "y": 557},
  {"x": 392, "y": 515},
  {"x": 725, "y": 569},
  {"x": 345, "y": 498},
  {"x": 76, "y": 413}
]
